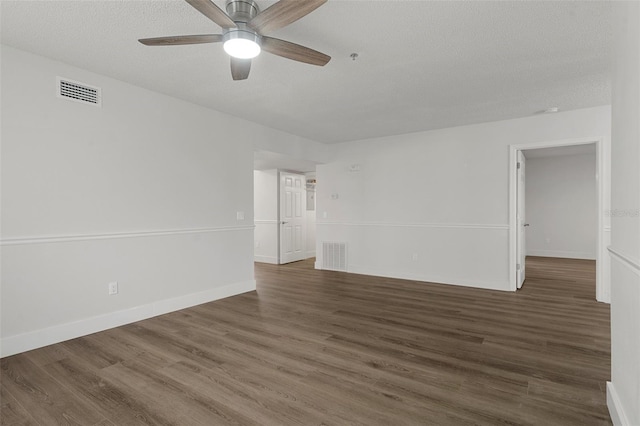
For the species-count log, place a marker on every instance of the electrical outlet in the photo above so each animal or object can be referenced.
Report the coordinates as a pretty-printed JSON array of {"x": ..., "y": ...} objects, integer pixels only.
[
  {"x": 240, "y": 215},
  {"x": 414, "y": 256},
  {"x": 113, "y": 288}
]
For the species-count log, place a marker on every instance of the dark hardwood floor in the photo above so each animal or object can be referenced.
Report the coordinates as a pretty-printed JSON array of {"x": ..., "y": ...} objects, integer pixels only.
[{"x": 328, "y": 348}]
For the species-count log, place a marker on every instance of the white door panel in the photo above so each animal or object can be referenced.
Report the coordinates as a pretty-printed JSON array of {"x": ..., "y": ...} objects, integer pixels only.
[{"x": 292, "y": 217}]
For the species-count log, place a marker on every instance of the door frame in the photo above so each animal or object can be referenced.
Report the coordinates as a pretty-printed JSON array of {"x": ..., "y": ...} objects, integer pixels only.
[
  {"x": 602, "y": 281},
  {"x": 521, "y": 173}
]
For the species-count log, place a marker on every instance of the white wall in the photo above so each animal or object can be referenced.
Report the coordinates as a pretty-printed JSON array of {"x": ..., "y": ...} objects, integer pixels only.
[
  {"x": 561, "y": 206},
  {"x": 623, "y": 392},
  {"x": 311, "y": 234},
  {"x": 143, "y": 191},
  {"x": 294, "y": 149},
  {"x": 433, "y": 206},
  {"x": 265, "y": 186}
]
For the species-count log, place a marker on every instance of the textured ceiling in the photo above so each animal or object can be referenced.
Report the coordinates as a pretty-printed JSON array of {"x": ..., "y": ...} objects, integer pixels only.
[{"x": 422, "y": 64}]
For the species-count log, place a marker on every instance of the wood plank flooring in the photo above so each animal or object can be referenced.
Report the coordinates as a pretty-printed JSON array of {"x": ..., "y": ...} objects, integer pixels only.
[{"x": 327, "y": 348}]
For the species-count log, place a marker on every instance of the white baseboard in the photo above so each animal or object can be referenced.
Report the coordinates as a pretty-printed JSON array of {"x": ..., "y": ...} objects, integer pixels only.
[
  {"x": 618, "y": 416},
  {"x": 363, "y": 270},
  {"x": 274, "y": 260},
  {"x": 265, "y": 259},
  {"x": 489, "y": 285},
  {"x": 36, "y": 339},
  {"x": 562, "y": 254}
]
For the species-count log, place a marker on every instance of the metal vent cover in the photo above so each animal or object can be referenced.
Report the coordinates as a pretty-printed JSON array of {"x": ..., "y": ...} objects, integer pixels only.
[
  {"x": 334, "y": 256},
  {"x": 78, "y": 92}
]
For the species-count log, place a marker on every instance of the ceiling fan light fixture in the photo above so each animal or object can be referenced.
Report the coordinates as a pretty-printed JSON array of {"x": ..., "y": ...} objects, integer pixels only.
[
  {"x": 242, "y": 27},
  {"x": 241, "y": 43}
]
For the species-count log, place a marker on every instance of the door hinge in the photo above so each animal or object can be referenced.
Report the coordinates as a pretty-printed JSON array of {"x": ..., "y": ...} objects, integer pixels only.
[
  {"x": 518, "y": 165},
  {"x": 518, "y": 267}
]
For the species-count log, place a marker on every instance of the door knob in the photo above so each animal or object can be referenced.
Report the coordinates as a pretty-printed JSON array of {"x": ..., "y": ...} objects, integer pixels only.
[
  {"x": 283, "y": 222},
  {"x": 526, "y": 224}
]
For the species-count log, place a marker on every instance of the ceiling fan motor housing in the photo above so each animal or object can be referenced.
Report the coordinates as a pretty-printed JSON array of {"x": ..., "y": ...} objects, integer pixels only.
[
  {"x": 242, "y": 31},
  {"x": 242, "y": 10}
]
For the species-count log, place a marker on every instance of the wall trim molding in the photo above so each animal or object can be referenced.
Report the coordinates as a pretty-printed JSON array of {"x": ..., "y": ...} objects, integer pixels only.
[
  {"x": 265, "y": 259},
  {"x": 616, "y": 411},
  {"x": 562, "y": 254},
  {"x": 416, "y": 225},
  {"x": 115, "y": 235},
  {"x": 364, "y": 270},
  {"x": 627, "y": 260},
  {"x": 266, "y": 222},
  {"x": 12, "y": 345}
]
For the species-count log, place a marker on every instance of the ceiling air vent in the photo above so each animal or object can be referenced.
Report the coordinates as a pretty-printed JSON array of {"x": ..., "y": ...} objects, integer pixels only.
[{"x": 79, "y": 92}]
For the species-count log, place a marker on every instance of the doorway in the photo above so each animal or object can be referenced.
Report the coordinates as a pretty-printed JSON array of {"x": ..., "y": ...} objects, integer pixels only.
[
  {"x": 520, "y": 223},
  {"x": 284, "y": 208}
]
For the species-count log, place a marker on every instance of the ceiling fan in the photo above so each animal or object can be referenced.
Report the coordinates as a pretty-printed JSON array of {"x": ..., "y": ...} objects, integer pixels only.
[{"x": 243, "y": 26}]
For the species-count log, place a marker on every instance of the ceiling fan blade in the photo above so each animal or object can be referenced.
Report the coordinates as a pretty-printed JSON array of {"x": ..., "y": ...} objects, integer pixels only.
[
  {"x": 289, "y": 50},
  {"x": 213, "y": 12},
  {"x": 283, "y": 13},
  {"x": 185, "y": 39},
  {"x": 240, "y": 68}
]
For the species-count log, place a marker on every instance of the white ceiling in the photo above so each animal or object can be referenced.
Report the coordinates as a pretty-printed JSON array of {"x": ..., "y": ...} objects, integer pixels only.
[{"x": 422, "y": 64}]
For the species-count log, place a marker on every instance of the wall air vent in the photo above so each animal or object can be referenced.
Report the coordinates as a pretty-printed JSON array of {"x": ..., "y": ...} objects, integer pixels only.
[
  {"x": 334, "y": 256},
  {"x": 78, "y": 92}
]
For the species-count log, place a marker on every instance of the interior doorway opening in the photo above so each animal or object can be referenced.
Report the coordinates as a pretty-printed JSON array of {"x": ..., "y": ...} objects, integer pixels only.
[
  {"x": 565, "y": 220},
  {"x": 284, "y": 208}
]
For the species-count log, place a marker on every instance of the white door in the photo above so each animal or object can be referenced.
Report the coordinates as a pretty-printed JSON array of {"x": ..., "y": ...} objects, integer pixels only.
[
  {"x": 520, "y": 220},
  {"x": 293, "y": 200}
]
